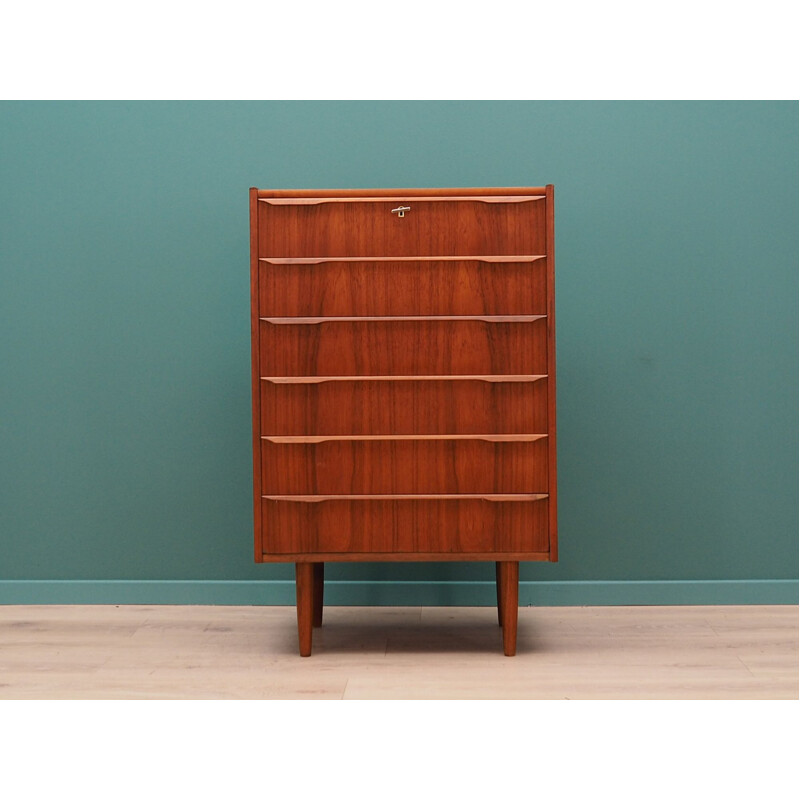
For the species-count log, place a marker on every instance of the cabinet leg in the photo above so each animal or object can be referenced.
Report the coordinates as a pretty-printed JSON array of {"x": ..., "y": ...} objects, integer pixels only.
[
  {"x": 498, "y": 582},
  {"x": 319, "y": 587},
  {"x": 509, "y": 604},
  {"x": 304, "y": 582}
]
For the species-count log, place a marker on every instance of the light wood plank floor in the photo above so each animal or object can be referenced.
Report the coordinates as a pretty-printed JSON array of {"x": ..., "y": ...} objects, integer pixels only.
[{"x": 250, "y": 652}]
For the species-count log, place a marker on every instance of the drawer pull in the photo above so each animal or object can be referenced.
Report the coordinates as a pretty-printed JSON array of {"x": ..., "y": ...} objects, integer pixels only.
[
  {"x": 401, "y": 210},
  {"x": 312, "y": 201},
  {"x": 440, "y": 318},
  {"x": 409, "y": 437},
  {"x": 321, "y": 498},
  {"x": 347, "y": 259},
  {"x": 327, "y": 378}
]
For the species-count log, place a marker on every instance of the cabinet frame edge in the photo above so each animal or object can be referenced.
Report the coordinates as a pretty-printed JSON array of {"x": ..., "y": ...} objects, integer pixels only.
[
  {"x": 258, "y": 541},
  {"x": 551, "y": 370}
]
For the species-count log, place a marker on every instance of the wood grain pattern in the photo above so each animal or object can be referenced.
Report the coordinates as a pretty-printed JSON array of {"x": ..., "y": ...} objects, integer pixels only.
[
  {"x": 406, "y": 466},
  {"x": 429, "y": 229},
  {"x": 400, "y": 287},
  {"x": 403, "y": 347},
  {"x": 403, "y": 407},
  {"x": 508, "y": 576},
  {"x": 404, "y": 526},
  {"x": 304, "y": 585}
]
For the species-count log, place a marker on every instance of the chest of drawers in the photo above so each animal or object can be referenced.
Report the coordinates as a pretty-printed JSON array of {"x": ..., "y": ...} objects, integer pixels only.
[{"x": 403, "y": 364}]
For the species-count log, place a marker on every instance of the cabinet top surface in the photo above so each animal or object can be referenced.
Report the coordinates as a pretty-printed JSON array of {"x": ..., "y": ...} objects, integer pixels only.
[{"x": 439, "y": 192}]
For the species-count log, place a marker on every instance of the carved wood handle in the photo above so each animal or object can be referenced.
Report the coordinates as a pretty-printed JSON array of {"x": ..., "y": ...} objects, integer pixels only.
[
  {"x": 312, "y": 201},
  {"x": 409, "y": 437},
  {"x": 321, "y": 498},
  {"x": 431, "y": 318},
  {"x": 348, "y": 259},
  {"x": 327, "y": 378}
]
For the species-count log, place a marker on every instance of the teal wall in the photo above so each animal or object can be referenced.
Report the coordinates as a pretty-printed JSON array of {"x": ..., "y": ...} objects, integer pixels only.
[{"x": 124, "y": 340}]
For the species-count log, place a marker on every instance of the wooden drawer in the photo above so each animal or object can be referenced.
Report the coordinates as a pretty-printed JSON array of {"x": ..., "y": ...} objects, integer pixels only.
[
  {"x": 363, "y": 406},
  {"x": 404, "y": 525},
  {"x": 291, "y": 227},
  {"x": 398, "y": 346},
  {"x": 392, "y": 287},
  {"x": 393, "y": 465}
]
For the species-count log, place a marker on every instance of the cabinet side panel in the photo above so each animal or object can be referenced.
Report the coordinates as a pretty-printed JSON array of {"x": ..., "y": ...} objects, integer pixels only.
[
  {"x": 255, "y": 378},
  {"x": 551, "y": 371}
]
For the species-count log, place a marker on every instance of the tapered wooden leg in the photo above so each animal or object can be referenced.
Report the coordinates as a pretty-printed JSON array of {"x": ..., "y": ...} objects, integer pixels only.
[
  {"x": 304, "y": 581},
  {"x": 509, "y": 603},
  {"x": 497, "y": 580},
  {"x": 319, "y": 587}
]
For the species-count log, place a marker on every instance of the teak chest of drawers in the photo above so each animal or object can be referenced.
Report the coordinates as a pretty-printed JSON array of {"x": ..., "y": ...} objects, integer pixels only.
[{"x": 403, "y": 355}]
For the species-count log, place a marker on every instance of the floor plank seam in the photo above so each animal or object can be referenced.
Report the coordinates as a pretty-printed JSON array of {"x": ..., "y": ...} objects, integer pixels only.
[{"x": 739, "y": 659}]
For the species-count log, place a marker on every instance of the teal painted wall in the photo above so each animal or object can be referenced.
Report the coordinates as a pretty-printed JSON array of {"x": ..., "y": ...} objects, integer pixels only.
[{"x": 124, "y": 336}]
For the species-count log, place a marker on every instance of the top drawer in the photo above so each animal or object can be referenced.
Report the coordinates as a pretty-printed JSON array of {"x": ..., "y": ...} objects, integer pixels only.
[{"x": 306, "y": 227}]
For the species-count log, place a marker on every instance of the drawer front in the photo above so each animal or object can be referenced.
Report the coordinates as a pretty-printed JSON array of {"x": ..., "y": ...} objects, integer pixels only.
[
  {"x": 462, "y": 525},
  {"x": 403, "y": 466},
  {"x": 363, "y": 407},
  {"x": 290, "y": 228},
  {"x": 363, "y": 287},
  {"x": 478, "y": 346}
]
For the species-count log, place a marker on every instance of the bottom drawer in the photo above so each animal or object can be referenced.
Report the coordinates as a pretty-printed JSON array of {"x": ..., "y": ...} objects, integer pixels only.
[{"x": 381, "y": 524}]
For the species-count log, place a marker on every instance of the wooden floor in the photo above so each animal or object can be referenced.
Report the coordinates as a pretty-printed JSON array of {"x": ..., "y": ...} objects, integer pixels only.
[{"x": 204, "y": 652}]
